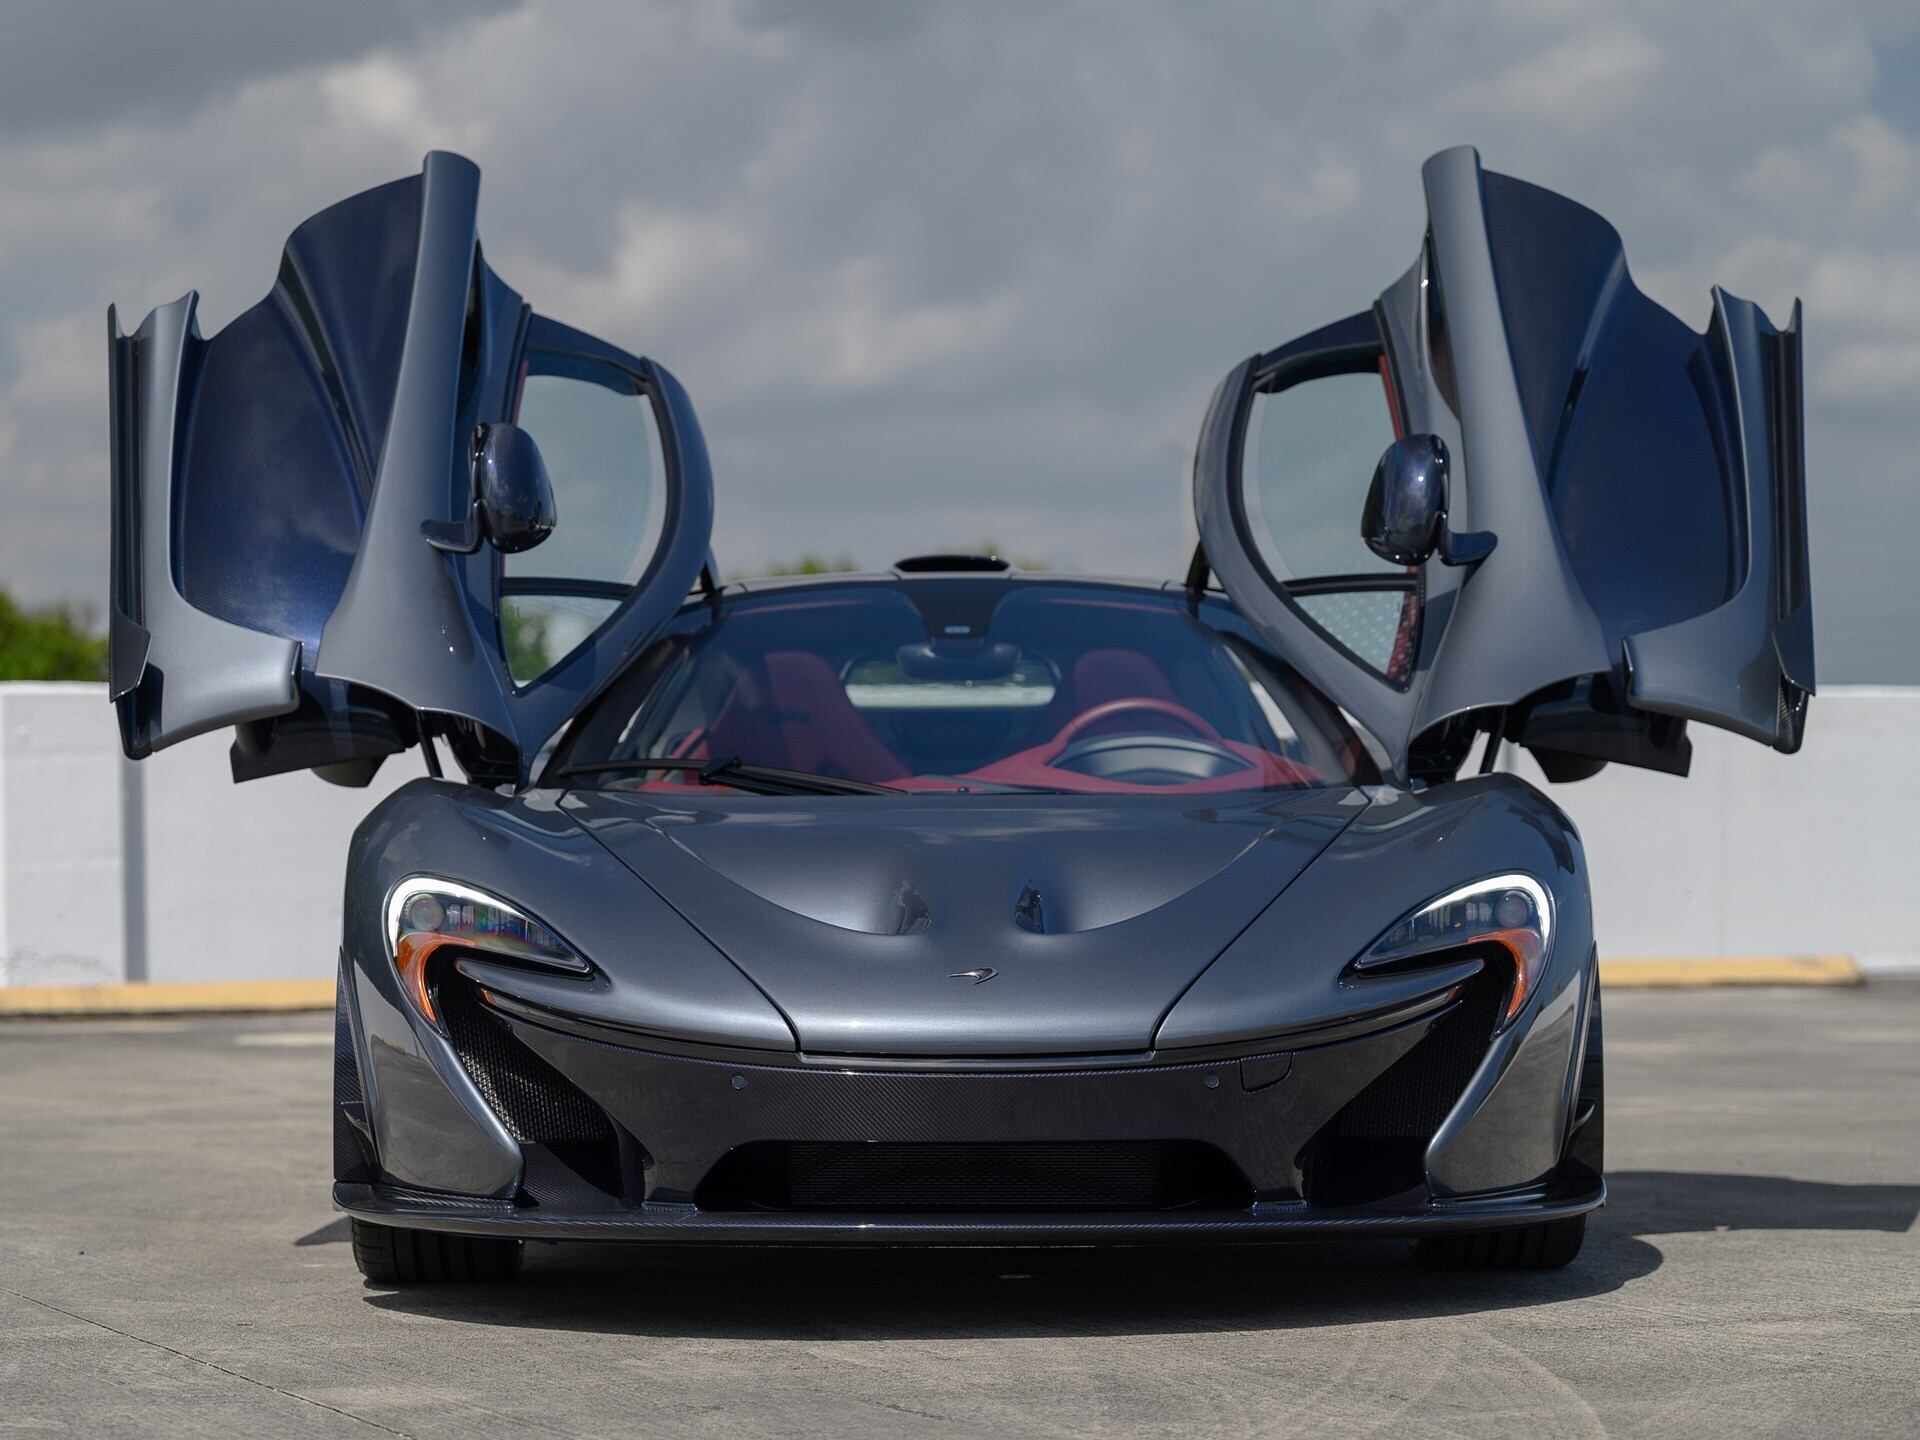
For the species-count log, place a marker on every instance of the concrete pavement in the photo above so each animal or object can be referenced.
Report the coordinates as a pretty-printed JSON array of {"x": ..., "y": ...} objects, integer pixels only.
[{"x": 169, "y": 1266}]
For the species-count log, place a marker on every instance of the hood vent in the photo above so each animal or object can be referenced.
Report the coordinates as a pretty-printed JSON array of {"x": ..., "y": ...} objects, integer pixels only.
[{"x": 1028, "y": 913}]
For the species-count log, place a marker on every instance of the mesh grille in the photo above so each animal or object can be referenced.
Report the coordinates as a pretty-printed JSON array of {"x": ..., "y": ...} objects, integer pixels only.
[
  {"x": 976, "y": 1176},
  {"x": 1377, "y": 625},
  {"x": 346, "y": 1069},
  {"x": 533, "y": 1100},
  {"x": 351, "y": 1161},
  {"x": 909, "y": 1176},
  {"x": 1375, "y": 1146}
]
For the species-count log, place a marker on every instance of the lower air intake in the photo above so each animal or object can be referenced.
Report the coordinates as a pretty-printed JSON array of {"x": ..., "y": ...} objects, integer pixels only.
[
  {"x": 1376, "y": 1145},
  {"x": 352, "y": 1155},
  {"x": 538, "y": 1105},
  {"x": 1092, "y": 1175}
]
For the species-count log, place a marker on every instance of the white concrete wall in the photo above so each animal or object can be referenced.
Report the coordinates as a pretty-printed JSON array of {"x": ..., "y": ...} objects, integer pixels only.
[
  {"x": 1758, "y": 853},
  {"x": 244, "y": 881},
  {"x": 168, "y": 871},
  {"x": 62, "y": 879},
  {"x": 165, "y": 870}
]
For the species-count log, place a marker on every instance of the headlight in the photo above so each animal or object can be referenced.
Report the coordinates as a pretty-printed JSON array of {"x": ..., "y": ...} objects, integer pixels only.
[
  {"x": 1511, "y": 911},
  {"x": 425, "y": 915}
]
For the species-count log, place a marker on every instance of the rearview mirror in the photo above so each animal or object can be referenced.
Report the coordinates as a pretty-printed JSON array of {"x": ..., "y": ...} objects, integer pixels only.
[
  {"x": 512, "y": 496},
  {"x": 958, "y": 662},
  {"x": 1406, "y": 509}
]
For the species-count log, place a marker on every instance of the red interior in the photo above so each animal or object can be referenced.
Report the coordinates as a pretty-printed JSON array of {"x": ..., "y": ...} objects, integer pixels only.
[{"x": 789, "y": 709}]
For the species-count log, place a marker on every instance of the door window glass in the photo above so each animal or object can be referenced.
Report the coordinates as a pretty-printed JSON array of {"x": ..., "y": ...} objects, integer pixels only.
[
  {"x": 1310, "y": 450},
  {"x": 1375, "y": 624},
  {"x": 1309, "y": 456},
  {"x": 598, "y": 436},
  {"x": 540, "y": 629}
]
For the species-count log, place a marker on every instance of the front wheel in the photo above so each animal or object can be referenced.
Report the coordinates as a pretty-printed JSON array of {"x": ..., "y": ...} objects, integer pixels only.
[
  {"x": 1545, "y": 1246},
  {"x": 389, "y": 1255}
]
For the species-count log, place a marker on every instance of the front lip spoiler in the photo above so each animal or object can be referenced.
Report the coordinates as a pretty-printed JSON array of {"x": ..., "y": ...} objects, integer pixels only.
[{"x": 686, "y": 1225}]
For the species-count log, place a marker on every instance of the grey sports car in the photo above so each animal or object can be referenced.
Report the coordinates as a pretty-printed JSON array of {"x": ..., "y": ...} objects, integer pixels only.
[{"x": 954, "y": 904}]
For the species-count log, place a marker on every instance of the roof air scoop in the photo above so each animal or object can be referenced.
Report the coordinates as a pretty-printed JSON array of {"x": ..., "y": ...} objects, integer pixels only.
[{"x": 952, "y": 564}]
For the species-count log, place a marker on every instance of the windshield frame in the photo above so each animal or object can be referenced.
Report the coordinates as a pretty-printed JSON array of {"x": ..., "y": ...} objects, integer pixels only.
[{"x": 581, "y": 745}]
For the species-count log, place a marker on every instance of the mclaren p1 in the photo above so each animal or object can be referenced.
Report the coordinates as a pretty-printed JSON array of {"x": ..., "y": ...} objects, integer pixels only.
[{"x": 952, "y": 903}]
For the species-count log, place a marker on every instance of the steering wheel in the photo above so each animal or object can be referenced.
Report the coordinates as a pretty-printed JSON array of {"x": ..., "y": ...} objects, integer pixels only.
[{"x": 1144, "y": 704}]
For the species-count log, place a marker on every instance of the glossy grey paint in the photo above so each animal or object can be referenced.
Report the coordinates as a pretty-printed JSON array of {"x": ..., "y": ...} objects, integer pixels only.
[
  {"x": 1539, "y": 610},
  {"x": 1198, "y": 927},
  {"x": 854, "y": 932},
  {"x": 448, "y": 657},
  {"x": 661, "y": 976},
  {"x": 1404, "y": 849},
  {"x": 432, "y": 1129},
  {"x": 320, "y": 432},
  {"x": 1731, "y": 665},
  {"x": 1511, "y": 1125},
  {"x": 233, "y": 673},
  {"x": 543, "y": 709},
  {"x": 439, "y": 659},
  {"x": 854, "y": 914}
]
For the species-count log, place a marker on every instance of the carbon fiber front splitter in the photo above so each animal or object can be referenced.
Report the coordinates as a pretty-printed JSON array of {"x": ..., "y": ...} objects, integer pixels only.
[{"x": 688, "y": 1225}]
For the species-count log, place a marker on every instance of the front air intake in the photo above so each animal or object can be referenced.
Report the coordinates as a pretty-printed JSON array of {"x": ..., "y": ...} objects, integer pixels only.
[
  {"x": 976, "y": 1177},
  {"x": 352, "y": 1149},
  {"x": 1376, "y": 1144},
  {"x": 538, "y": 1105}
]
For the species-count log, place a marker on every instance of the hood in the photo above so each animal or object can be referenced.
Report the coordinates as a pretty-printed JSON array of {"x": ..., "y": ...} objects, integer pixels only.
[{"x": 975, "y": 925}]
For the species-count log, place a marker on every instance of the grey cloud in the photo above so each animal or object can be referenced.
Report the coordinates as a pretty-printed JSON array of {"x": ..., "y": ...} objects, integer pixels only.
[
  {"x": 858, "y": 21},
  {"x": 975, "y": 273},
  {"x": 65, "y": 65}
]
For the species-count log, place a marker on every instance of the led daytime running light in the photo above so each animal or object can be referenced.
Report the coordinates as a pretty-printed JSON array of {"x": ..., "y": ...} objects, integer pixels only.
[
  {"x": 1512, "y": 911},
  {"x": 425, "y": 915}
]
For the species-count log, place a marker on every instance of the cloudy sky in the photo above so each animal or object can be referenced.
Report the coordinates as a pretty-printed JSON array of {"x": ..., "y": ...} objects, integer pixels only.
[{"x": 941, "y": 271}]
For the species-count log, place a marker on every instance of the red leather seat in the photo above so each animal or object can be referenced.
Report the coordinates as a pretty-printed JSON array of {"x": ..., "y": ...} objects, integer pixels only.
[
  {"x": 821, "y": 728},
  {"x": 1103, "y": 675}
]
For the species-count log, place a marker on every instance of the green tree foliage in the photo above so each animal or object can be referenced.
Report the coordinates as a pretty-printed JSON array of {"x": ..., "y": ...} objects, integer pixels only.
[
  {"x": 529, "y": 653},
  {"x": 48, "y": 645},
  {"x": 808, "y": 563}
]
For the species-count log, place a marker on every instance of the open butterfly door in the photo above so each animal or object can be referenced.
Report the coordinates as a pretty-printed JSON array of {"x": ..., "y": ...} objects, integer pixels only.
[
  {"x": 1621, "y": 540},
  {"x": 304, "y": 543}
]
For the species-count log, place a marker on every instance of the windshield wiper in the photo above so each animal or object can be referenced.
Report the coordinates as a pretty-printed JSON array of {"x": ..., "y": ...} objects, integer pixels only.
[{"x": 738, "y": 774}]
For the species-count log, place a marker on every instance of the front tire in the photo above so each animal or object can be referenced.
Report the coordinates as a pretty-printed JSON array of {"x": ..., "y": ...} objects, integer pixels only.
[
  {"x": 389, "y": 1255},
  {"x": 1547, "y": 1245}
]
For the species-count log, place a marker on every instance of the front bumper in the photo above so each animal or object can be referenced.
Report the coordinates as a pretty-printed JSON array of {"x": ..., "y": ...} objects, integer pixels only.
[{"x": 634, "y": 1139}]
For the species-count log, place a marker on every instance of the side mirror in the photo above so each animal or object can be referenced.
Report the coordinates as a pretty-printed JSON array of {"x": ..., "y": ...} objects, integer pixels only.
[
  {"x": 1405, "y": 518},
  {"x": 513, "y": 506},
  {"x": 1406, "y": 509},
  {"x": 512, "y": 495}
]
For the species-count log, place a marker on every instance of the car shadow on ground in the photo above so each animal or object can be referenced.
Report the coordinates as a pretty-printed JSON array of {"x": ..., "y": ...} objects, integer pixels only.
[{"x": 975, "y": 1293}]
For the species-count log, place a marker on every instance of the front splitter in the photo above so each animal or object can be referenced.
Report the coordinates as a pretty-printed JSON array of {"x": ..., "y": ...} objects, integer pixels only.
[{"x": 687, "y": 1225}]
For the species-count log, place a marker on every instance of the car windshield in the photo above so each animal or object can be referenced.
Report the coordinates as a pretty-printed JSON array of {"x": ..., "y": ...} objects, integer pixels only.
[{"x": 966, "y": 687}]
